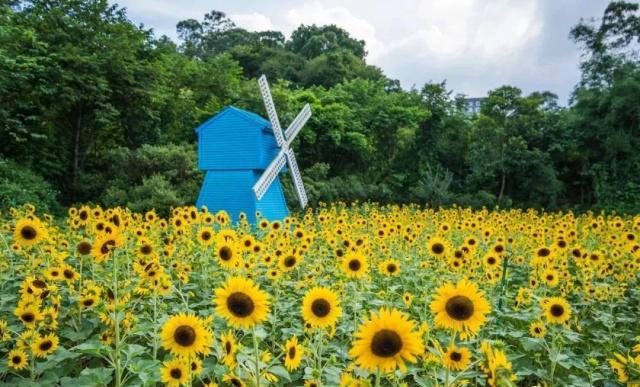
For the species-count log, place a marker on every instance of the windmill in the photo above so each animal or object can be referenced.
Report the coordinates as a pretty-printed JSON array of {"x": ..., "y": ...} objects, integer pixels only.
[
  {"x": 242, "y": 155},
  {"x": 285, "y": 155}
]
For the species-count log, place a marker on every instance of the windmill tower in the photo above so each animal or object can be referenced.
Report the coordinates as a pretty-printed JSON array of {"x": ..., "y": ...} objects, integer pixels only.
[{"x": 243, "y": 155}]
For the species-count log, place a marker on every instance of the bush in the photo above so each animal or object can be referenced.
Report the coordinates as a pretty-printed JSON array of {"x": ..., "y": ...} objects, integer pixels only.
[{"x": 20, "y": 185}]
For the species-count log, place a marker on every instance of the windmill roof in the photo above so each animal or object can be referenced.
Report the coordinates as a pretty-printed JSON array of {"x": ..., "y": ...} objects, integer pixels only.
[{"x": 249, "y": 116}]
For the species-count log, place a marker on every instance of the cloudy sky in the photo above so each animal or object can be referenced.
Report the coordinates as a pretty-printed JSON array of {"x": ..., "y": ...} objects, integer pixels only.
[{"x": 475, "y": 45}]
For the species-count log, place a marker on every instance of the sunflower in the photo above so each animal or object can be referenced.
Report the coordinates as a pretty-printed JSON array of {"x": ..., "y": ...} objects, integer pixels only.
[
  {"x": 407, "y": 298},
  {"x": 29, "y": 315},
  {"x": 556, "y": 309},
  {"x": 88, "y": 301},
  {"x": 354, "y": 265},
  {"x": 104, "y": 246},
  {"x": 241, "y": 302},
  {"x": 42, "y": 346},
  {"x": 175, "y": 372},
  {"x": 461, "y": 307},
  {"x": 205, "y": 236},
  {"x": 288, "y": 262},
  {"x": 17, "y": 359},
  {"x": 390, "y": 267},
  {"x": 456, "y": 359},
  {"x": 84, "y": 247},
  {"x": 230, "y": 347},
  {"x": 311, "y": 383},
  {"x": 227, "y": 254},
  {"x": 196, "y": 366},
  {"x": 293, "y": 353},
  {"x": 233, "y": 380},
  {"x": 185, "y": 335},
  {"x": 537, "y": 329},
  {"x": 386, "y": 341},
  {"x": 29, "y": 232},
  {"x": 321, "y": 307},
  {"x": 437, "y": 247},
  {"x": 551, "y": 277}
]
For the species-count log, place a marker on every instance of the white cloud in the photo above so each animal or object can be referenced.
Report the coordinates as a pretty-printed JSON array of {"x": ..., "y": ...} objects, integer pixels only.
[
  {"x": 253, "y": 21},
  {"x": 317, "y": 13}
]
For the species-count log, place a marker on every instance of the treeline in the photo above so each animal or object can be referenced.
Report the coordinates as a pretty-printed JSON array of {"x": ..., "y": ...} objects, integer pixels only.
[{"x": 96, "y": 109}]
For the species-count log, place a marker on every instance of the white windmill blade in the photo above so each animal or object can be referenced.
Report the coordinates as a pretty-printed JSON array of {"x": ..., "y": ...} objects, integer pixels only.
[
  {"x": 298, "y": 123},
  {"x": 269, "y": 175},
  {"x": 297, "y": 179},
  {"x": 271, "y": 109}
]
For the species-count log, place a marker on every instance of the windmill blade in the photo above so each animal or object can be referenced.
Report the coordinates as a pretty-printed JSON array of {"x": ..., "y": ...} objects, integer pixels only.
[
  {"x": 269, "y": 175},
  {"x": 298, "y": 123},
  {"x": 297, "y": 179},
  {"x": 271, "y": 109}
]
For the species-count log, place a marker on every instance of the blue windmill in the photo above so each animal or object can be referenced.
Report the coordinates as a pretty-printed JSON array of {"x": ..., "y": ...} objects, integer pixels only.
[{"x": 243, "y": 155}]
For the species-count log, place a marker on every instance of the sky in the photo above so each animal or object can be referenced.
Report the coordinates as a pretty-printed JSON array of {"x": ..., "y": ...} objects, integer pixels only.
[{"x": 475, "y": 45}]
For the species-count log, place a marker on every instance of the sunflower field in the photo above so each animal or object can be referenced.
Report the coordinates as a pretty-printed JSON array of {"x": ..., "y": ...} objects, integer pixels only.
[{"x": 343, "y": 295}]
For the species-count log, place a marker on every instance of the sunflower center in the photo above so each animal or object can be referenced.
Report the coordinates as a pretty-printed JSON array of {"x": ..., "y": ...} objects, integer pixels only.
[
  {"x": 459, "y": 308},
  {"x": 320, "y": 307},
  {"x": 455, "y": 356},
  {"x": 146, "y": 250},
  {"x": 225, "y": 253},
  {"x": 386, "y": 343},
  {"x": 236, "y": 382},
  {"x": 227, "y": 348},
  {"x": 491, "y": 260},
  {"x": 240, "y": 304},
  {"x": 537, "y": 330},
  {"x": 106, "y": 246},
  {"x": 355, "y": 264},
  {"x": 292, "y": 352},
  {"x": 28, "y": 317},
  {"x": 88, "y": 302},
  {"x": 39, "y": 284},
  {"x": 68, "y": 274},
  {"x": 28, "y": 233},
  {"x": 543, "y": 252},
  {"x": 206, "y": 236},
  {"x": 437, "y": 248},
  {"x": 84, "y": 247},
  {"x": 184, "y": 335},
  {"x": 557, "y": 310},
  {"x": 16, "y": 360},
  {"x": 391, "y": 268},
  {"x": 290, "y": 261},
  {"x": 176, "y": 373},
  {"x": 45, "y": 345}
]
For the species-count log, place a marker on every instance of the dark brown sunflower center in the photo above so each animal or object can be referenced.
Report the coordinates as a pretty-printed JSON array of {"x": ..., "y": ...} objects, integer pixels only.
[
  {"x": 386, "y": 343},
  {"x": 206, "y": 235},
  {"x": 491, "y": 261},
  {"x": 88, "y": 302},
  {"x": 28, "y": 317},
  {"x": 455, "y": 356},
  {"x": 84, "y": 247},
  {"x": 391, "y": 268},
  {"x": 16, "y": 359},
  {"x": 145, "y": 249},
  {"x": 355, "y": 265},
  {"x": 39, "y": 284},
  {"x": 45, "y": 345},
  {"x": 176, "y": 373},
  {"x": 228, "y": 348},
  {"x": 544, "y": 252},
  {"x": 240, "y": 304},
  {"x": 320, "y": 307},
  {"x": 184, "y": 335},
  {"x": 437, "y": 248},
  {"x": 549, "y": 277},
  {"x": 68, "y": 274},
  {"x": 236, "y": 382},
  {"x": 556, "y": 310},
  {"x": 225, "y": 253},
  {"x": 28, "y": 233},
  {"x": 290, "y": 261},
  {"x": 84, "y": 215},
  {"x": 459, "y": 308},
  {"x": 107, "y": 246},
  {"x": 292, "y": 352},
  {"x": 537, "y": 330}
]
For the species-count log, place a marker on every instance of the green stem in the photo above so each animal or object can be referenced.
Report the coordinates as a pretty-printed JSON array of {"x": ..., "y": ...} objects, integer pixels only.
[
  {"x": 257, "y": 356},
  {"x": 116, "y": 344},
  {"x": 503, "y": 285},
  {"x": 377, "y": 377}
]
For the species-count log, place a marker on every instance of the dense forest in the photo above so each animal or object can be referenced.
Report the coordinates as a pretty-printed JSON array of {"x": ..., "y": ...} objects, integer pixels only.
[{"x": 94, "y": 108}]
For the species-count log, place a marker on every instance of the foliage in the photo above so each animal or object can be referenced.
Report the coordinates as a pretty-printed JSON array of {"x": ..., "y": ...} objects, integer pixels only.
[
  {"x": 80, "y": 83},
  {"x": 19, "y": 185}
]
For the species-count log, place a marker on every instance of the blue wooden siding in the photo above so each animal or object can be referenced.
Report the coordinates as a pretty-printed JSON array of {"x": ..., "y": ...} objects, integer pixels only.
[
  {"x": 272, "y": 205},
  {"x": 229, "y": 191}
]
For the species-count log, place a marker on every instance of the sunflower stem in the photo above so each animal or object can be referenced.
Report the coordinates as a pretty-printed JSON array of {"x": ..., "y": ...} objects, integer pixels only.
[
  {"x": 116, "y": 323},
  {"x": 377, "y": 377},
  {"x": 257, "y": 355},
  {"x": 155, "y": 324},
  {"x": 503, "y": 285}
]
